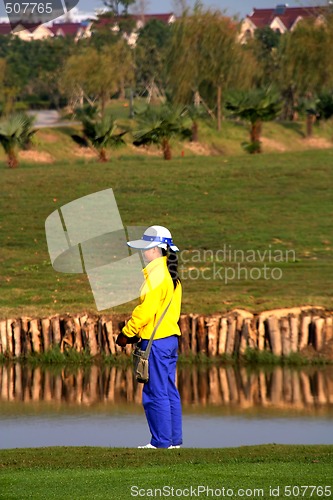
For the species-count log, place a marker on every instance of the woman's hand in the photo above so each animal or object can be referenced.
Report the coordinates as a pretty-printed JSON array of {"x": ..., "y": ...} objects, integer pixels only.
[
  {"x": 122, "y": 340},
  {"x": 133, "y": 340}
]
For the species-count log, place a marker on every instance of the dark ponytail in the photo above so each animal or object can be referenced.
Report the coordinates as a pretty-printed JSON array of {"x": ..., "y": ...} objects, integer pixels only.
[{"x": 172, "y": 263}]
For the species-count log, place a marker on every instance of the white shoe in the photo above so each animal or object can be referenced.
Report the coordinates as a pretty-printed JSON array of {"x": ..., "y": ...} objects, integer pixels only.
[{"x": 151, "y": 447}]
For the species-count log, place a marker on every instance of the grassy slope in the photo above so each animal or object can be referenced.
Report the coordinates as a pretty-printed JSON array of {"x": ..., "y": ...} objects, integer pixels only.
[
  {"x": 99, "y": 473},
  {"x": 283, "y": 202},
  {"x": 277, "y": 137}
]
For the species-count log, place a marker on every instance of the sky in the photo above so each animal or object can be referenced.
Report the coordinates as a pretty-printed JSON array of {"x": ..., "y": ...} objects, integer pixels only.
[
  {"x": 232, "y": 7},
  {"x": 241, "y": 7}
]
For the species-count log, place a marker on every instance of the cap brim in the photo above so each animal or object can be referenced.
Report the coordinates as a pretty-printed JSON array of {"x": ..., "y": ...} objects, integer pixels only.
[
  {"x": 147, "y": 245},
  {"x": 142, "y": 244}
]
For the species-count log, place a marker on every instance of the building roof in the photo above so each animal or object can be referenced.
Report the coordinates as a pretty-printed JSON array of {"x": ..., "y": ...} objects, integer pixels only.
[
  {"x": 64, "y": 29},
  {"x": 5, "y": 29},
  {"x": 105, "y": 21},
  {"x": 165, "y": 18},
  {"x": 26, "y": 26},
  {"x": 288, "y": 15},
  {"x": 68, "y": 29}
]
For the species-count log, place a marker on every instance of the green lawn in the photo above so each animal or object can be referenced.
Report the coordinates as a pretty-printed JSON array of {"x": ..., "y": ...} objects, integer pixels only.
[
  {"x": 277, "y": 202},
  {"x": 101, "y": 473}
]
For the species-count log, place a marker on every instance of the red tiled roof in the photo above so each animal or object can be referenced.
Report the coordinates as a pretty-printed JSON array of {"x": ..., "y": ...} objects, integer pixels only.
[
  {"x": 33, "y": 26},
  {"x": 260, "y": 22},
  {"x": 70, "y": 29},
  {"x": 5, "y": 29},
  {"x": 264, "y": 17},
  {"x": 160, "y": 17},
  {"x": 26, "y": 26},
  {"x": 289, "y": 19},
  {"x": 67, "y": 28},
  {"x": 104, "y": 21}
]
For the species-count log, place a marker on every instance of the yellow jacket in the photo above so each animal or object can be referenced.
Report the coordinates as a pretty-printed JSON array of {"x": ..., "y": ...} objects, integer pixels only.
[{"x": 155, "y": 295}]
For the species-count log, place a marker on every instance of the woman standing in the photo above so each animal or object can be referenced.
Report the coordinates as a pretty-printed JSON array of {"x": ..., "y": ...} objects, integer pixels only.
[{"x": 162, "y": 286}]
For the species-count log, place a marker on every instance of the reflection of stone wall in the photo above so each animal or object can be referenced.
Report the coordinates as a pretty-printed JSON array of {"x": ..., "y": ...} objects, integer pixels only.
[
  {"x": 199, "y": 386},
  {"x": 281, "y": 331},
  {"x": 282, "y": 387}
]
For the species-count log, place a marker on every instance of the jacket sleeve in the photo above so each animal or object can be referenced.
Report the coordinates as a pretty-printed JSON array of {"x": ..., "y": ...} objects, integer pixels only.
[{"x": 143, "y": 312}]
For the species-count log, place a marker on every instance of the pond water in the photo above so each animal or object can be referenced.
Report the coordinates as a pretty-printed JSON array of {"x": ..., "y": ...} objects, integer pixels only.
[{"x": 222, "y": 406}]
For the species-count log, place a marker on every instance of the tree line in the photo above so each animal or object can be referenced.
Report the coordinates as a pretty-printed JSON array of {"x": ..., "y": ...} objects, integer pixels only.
[{"x": 198, "y": 63}]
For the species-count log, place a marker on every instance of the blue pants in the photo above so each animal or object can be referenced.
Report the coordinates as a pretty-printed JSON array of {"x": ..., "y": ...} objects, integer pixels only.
[{"x": 160, "y": 397}]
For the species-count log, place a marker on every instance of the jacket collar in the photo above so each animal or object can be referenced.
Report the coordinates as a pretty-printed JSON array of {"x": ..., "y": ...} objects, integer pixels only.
[{"x": 155, "y": 264}]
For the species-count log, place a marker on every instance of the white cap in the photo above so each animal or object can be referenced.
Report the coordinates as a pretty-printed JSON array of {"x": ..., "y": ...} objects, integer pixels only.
[{"x": 154, "y": 236}]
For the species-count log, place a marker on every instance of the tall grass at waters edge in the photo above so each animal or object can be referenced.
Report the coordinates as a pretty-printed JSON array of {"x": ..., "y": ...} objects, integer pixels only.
[{"x": 250, "y": 357}]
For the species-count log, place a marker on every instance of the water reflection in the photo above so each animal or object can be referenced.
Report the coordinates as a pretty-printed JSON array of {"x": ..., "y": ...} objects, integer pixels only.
[{"x": 309, "y": 390}]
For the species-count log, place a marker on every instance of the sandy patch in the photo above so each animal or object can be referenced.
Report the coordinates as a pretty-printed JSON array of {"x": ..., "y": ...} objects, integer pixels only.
[
  {"x": 146, "y": 151},
  {"x": 272, "y": 144},
  {"x": 84, "y": 152},
  {"x": 36, "y": 156},
  {"x": 318, "y": 142},
  {"x": 50, "y": 138},
  {"x": 198, "y": 148}
]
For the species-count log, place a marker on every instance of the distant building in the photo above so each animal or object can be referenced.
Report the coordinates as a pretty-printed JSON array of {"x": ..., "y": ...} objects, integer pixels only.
[
  {"x": 73, "y": 29},
  {"x": 112, "y": 23},
  {"x": 83, "y": 28},
  {"x": 280, "y": 19},
  {"x": 5, "y": 29},
  {"x": 44, "y": 31}
]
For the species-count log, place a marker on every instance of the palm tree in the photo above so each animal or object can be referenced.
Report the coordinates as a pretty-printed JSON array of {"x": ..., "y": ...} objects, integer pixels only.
[
  {"x": 255, "y": 106},
  {"x": 15, "y": 133},
  {"x": 160, "y": 125},
  {"x": 324, "y": 105},
  {"x": 100, "y": 132},
  {"x": 28, "y": 131},
  {"x": 196, "y": 113}
]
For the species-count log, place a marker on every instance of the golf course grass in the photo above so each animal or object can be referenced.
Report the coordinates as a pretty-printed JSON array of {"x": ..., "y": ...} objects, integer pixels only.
[
  {"x": 266, "y": 471},
  {"x": 264, "y": 204}
]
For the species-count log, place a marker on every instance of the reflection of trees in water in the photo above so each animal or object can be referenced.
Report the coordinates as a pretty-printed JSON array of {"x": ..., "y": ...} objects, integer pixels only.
[{"x": 202, "y": 386}]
